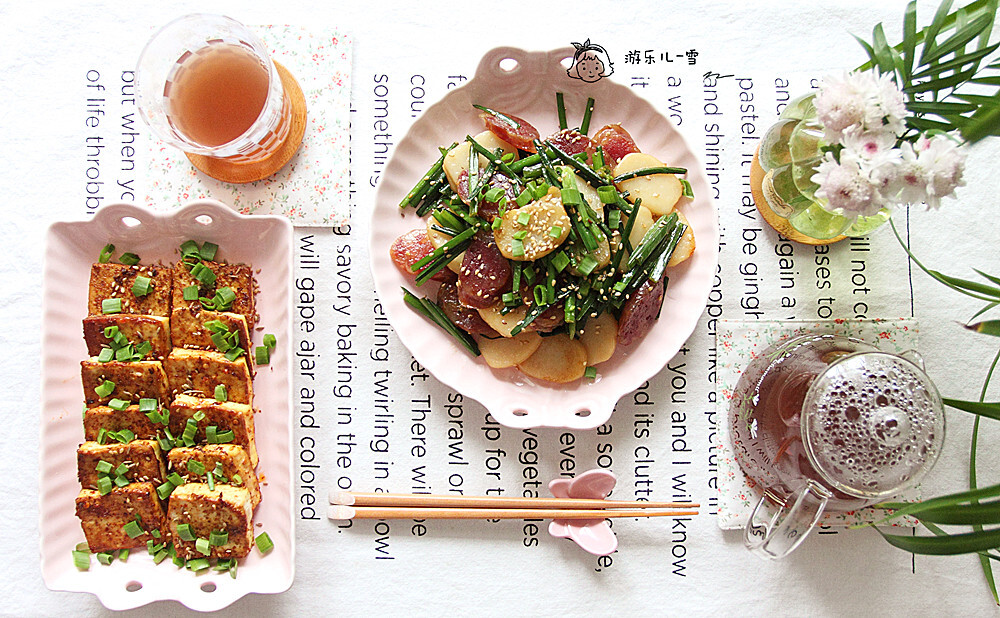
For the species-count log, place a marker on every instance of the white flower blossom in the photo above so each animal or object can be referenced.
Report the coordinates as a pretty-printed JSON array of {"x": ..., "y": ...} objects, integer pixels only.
[
  {"x": 943, "y": 162},
  {"x": 847, "y": 186},
  {"x": 870, "y": 103}
]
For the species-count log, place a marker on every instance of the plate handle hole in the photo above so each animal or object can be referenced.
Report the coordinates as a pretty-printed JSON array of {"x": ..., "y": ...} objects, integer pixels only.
[
  {"x": 208, "y": 587},
  {"x": 204, "y": 219},
  {"x": 583, "y": 413},
  {"x": 509, "y": 65},
  {"x": 566, "y": 62},
  {"x": 130, "y": 221},
  {"x": 133, "y": 586},
  {"x": 520, "y": 412}
]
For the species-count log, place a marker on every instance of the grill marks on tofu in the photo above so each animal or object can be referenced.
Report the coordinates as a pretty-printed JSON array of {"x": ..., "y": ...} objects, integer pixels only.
[
  {"x": 133, "y": 381},
  {"x": 226, "y": 416},
  {"x": 235, "y": 463},
  {"x": 198, "y": 372},
  {"x": 226, "y": 508},
  {"x": 104, "y": 518},
  {"x": 238, "y": 277},
  {"x": 143, "y": 457},
  {"x": 115, "y": 281},
  {"x": 137, "y": 328}
]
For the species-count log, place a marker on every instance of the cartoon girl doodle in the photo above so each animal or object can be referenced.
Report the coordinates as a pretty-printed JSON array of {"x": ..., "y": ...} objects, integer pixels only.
[{"x": 590, "y": 62}]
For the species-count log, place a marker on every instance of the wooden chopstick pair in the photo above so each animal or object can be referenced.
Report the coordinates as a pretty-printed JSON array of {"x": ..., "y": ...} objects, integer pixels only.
[{"x": 358, "y": 505}]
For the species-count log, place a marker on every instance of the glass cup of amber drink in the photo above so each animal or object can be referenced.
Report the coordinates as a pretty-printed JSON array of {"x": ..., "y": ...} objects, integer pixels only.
[
  {"x": 206, "y": 85},
  {"x": 829, "y": 423}
]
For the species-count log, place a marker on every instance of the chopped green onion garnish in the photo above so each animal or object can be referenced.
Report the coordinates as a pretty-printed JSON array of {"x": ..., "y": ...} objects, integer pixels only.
[
  {"x": 203, "y": 546},
  {"x": 587, "y": 265},
  {"x": 520, "y": 235},
  {"x": 160, "y": 556},
  {"x": 262, "y": 355},
  {"x": 120, "y": 481},
  {"x": 235, "y": 353},
  {"x": 164, "y": 490},
  {"x": 614, "y": 218},
  {"x": 105, "y": 557},
  {"x": 560, "y": 261},
  {"x": 156, "y": 533},
  {"x": 123, "y": 435},
  {"x": 208, "y": 251},
  {"x": 523, "y": 217},
  {"x": 686, "y": 190},
  {"x": 175, "y": 479},
  {"x": 195, "y": 467},
  {"x": 129, "y": 259},
  {"x": 237, "y": 479},
  {"x": 111, "y": 332},
  {"x": 198, "y": 416},
  {"x": 210, "y": 434},
  {"x": 123, "y": 554},
  {"x": 190, "y": 247},
  {"x": 104, "y": 467},
  {"x": 104, "y": 485},
  {"x": 184, "y": 531},
  {"x": 142, "y": 286},
  {"x": 118, "y": 404},
  {"x": 102, "y": 436},
  {"x": 190, "y": 292},
  {"x": 121, "y": 469},
  {"x": 493, "y": 195},
  {"x": 147, "y": 403},
  {"x": 198, "y": 564},
  {"x": 608, "y": 194},
  {"x": 104, "y": 388},
  {"x": 105, "y": 257},
  {"x": 220, "y": 393},
  {"x": 106, "y": 355},
  {"x": 210, "y": 479},
  {"x": 111, "y": 305},
  {"x": 270, "y": 341},
  {"x": 224, "y": 298},
  {"x": 524, "y": 197},
  {"x": 223, "y": 437},
  {"x": 264, "y": 543},
  {"x": 218, "y": 538},
  {"x": 555, "y": 231},
  {"x": 133, "y": 529},
  {"x": 517, "y": 247},
  {"x": 81, "y": 559}
]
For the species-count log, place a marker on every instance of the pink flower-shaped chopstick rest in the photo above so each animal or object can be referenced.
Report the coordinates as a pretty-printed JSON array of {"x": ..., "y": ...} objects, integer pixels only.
[{"x": 593, "y": 535}]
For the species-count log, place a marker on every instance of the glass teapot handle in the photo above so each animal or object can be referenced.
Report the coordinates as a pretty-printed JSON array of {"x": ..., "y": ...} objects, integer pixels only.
[{"x": 776, "y": 537}]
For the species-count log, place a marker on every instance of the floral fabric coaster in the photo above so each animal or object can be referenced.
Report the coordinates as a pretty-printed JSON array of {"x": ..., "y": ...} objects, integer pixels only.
[
  {"x": 312, "y": 189},
  {"x": 739, "y": 342}
]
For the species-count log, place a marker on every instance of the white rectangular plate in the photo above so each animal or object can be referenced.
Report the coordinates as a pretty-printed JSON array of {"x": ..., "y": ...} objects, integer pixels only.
[{"x": 266, "y": 244}]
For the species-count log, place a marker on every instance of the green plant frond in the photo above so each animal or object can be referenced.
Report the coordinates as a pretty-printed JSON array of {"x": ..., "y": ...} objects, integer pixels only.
[
  {"x": 909, "y": 44},
  {"x": 979, "y": 100},
  {"x": 868, "y": 50},
  {"x": 986, "y": 308},
  {"x": 940, "y": 83},
  {"x": 984, "y": 123},
  {"x": 980, "y": 408},
  {"x": 941, "y": 108},
  {"x": 883, "y": 57},
  {"x": 950, "y": 545},
  {"x": 958, "y": 62},
  {"x": 915, "y": 508},
  {"x": 965, "y": 284},
  {"x": 939, "y": 22},
  {"x": 926, "y": 124},
  {"x": 984, "y": 513},
  {"x": 961, "y": 37},
  {"x": 987, "y": 276},
  {"x": 988, "y": 327},
  {"x": 986, "y": 80}
]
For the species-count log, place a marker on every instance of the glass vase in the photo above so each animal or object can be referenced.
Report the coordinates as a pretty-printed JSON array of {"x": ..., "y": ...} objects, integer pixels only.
[{"x": 789, "y": 154}]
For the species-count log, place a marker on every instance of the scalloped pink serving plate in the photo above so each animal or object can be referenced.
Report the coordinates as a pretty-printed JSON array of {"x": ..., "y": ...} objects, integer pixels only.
[
  {"x": 528, "y": 90},
  {"x": 264, "y": 242}
]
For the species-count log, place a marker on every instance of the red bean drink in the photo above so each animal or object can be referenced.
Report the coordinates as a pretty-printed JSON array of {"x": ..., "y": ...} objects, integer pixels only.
[{"x": 828, "y": 422}]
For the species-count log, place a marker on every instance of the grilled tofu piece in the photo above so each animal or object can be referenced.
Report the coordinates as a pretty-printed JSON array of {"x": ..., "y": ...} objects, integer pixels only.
[
  {"x": 143, "y": 458},
  {"x": 102, "y": 417},
  {"x": 115, "y": 281},
  {"x": 227, "y": 416},
  {"x": 238, "y": 277},
  {"x": 226, "y": 509},
  {"x": 198, "y": 372},
  {"x": 235, "y": 464},
  {"x": 187, "y": 327},
  {"x": 136, "y": 328},
  {"x": 133, "y": 381},
  {"x": 104, "y": 518}
]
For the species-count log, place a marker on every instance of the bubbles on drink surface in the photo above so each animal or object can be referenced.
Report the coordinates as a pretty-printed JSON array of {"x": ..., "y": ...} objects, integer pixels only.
[{"x": 874, "y": 424}]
